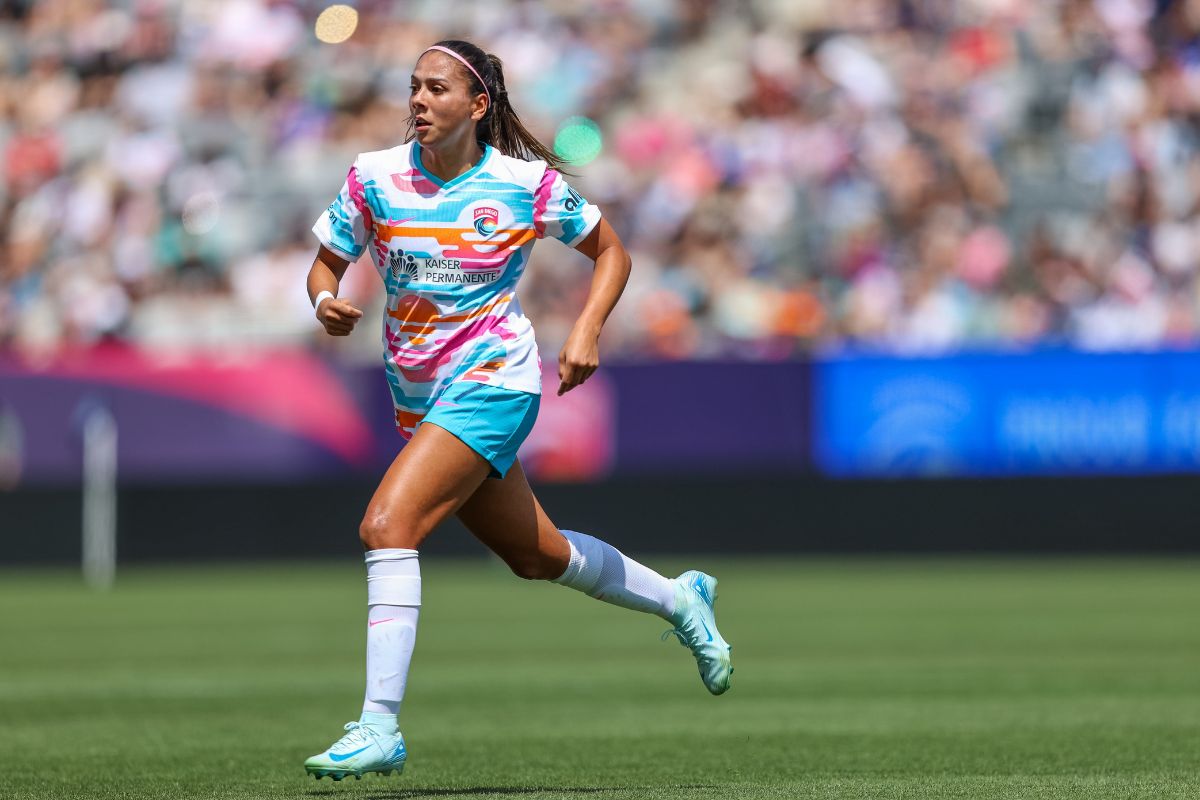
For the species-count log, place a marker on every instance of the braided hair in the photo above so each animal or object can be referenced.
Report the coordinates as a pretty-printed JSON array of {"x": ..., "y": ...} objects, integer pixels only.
[{"x": 500, "y": 126}]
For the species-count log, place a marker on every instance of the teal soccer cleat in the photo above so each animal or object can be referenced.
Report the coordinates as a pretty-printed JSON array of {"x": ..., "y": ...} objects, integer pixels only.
[
  {"x": 363, "y": 749},
  {"x": 696, "y": 628}
]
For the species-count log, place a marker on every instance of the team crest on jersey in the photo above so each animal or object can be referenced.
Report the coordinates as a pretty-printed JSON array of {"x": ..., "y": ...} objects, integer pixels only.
[
  {"x": 402, "y": 264},
  {"x": 487, "y": 219}
]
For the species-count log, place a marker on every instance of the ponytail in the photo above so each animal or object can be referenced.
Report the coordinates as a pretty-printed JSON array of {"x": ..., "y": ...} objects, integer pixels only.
[{"x": 500, "y": 126}]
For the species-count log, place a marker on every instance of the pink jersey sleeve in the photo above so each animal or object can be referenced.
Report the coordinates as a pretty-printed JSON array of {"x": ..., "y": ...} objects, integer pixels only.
[
  {"x": 344, "y": 226},
  {"x": 560, "y": 212}
]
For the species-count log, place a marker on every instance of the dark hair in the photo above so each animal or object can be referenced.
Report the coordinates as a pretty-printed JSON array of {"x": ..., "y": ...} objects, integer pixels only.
[{"x": 500, "y": 126}]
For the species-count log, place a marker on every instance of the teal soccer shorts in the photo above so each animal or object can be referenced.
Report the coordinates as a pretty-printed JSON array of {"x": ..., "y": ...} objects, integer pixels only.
[{"x": 491, "y": 421}]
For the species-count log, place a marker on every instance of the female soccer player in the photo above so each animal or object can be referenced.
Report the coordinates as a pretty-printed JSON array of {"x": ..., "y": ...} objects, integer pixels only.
[{"x": 449, "y": 218}]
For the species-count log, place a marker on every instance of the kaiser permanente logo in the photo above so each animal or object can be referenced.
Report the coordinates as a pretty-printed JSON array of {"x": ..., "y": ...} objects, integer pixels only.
[{"x": 406, "y": 267}]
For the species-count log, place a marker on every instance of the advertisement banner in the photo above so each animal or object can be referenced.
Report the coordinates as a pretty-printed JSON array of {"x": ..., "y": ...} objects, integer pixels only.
[
  {"x": 289, "y": 415},
  {"x": 1051, "y": 412}
]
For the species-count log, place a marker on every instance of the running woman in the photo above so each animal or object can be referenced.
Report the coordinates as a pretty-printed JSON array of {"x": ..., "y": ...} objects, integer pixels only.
[{"x": 449, "y": 218}]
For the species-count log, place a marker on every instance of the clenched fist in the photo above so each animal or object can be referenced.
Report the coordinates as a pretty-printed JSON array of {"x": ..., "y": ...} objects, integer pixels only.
[
  {"x": 578, "y": 359},
  {"x": 338, "y": 316}
]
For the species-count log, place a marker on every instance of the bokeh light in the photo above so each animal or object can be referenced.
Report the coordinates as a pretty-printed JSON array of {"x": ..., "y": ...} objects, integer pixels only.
[
  {"x": 578, "y": 140},
  {"x": 201, "y": 213},
  {"x": 336, "y": 24}
]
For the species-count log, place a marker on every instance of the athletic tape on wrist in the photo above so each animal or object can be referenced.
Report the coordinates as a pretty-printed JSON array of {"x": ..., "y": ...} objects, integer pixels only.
[{"x": 321, "y": 295}]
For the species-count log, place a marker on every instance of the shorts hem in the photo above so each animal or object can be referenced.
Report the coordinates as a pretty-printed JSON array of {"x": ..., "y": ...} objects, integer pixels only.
[
  {"x": 493, "y": 421},
  {"x": 489, "y": 457}
]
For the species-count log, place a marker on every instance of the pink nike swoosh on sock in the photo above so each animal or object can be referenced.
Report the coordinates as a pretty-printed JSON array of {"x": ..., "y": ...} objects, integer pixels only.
[
  {"x": 379, "y": 621},
  {"x": 445, "y": 403}
]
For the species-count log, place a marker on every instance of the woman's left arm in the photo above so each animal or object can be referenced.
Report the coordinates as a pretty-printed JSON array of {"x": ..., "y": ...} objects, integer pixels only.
[{"x": 580, "y": 355}]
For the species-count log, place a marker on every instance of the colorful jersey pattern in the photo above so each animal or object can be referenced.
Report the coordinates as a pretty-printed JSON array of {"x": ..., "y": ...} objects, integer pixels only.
[{"x": 450, "y": 255}]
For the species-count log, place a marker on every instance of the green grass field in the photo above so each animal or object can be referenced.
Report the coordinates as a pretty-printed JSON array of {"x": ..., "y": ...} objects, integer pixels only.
[{"x": 855, "y": 679}]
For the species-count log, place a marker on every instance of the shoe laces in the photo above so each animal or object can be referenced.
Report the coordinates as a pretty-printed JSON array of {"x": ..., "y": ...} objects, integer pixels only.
[
  {"x": 357, "y": 733},
  {"x": 685, "y": 638},
  {"x": 688, "y": 637}
]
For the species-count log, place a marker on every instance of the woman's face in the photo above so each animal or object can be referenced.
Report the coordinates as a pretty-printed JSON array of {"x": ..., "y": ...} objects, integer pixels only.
[{"x": 440, "y": 102}]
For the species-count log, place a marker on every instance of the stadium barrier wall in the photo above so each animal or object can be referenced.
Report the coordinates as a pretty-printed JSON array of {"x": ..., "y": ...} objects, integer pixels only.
[{"x": 743, "y": 514}]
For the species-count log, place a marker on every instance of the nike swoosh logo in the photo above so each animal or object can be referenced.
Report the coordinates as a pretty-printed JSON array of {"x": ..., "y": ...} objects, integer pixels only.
[
  {"x": 380, "y": 621},
  {"x": 344, "y": 756},
  {"x": 444, "y": 403},
  {"x": 706, "y": 630},
  {"x": 701, "y": 589}
]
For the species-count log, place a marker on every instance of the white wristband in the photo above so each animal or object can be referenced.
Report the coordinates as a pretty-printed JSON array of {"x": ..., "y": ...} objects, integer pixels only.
[{"x": 321, "y": 295}]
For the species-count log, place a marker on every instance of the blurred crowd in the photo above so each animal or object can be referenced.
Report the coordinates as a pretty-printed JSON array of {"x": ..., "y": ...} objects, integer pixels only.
[{"x": 789, "y": 175}]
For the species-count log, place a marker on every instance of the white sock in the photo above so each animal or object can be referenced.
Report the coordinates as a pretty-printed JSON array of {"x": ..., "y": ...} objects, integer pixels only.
[
  {"x": 393, "y": 603},
  {"x": 604, "y": 572}
]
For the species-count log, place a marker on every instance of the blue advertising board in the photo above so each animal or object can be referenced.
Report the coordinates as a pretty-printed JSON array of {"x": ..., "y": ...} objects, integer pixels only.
[{"x": 1050, "y": 412}]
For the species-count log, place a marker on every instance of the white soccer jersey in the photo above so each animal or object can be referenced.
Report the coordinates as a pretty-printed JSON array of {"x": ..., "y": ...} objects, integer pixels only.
[{"x": 450, "y": 255}]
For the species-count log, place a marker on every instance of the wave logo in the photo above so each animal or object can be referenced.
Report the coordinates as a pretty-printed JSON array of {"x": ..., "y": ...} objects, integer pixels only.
[
  {"x": 887, "y": 423},
  {"x": 487, "y": 219},
  {"x": 920, "y": 426}
]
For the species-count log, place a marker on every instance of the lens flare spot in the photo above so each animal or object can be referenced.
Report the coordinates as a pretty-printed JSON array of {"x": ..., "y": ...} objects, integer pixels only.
[
  {"x": 336, "y": 24},
  {"x": 578, "y": 140}
]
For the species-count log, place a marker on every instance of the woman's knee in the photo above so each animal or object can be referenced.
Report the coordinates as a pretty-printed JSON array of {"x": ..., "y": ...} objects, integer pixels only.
[
  {"x": 380, "y": 529},
  {"x": 535, "y": 566}
]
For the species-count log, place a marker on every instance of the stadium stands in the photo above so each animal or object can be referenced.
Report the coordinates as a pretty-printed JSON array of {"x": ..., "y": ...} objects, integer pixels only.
[{"x": 789, "y": 175}]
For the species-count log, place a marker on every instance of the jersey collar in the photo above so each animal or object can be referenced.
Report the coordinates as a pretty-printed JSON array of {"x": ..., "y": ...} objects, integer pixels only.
[{"x": 487, "y": 153}]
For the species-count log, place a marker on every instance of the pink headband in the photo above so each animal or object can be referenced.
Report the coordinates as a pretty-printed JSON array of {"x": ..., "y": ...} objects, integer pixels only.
[{"x": 450, "y": 52}]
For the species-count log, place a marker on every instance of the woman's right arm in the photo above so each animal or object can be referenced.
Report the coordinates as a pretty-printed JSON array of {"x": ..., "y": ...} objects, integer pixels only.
[{"x": 336, "y": 315}]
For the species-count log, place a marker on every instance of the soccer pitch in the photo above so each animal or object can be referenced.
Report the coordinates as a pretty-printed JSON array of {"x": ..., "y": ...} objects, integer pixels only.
[{"x": 854, "y": 679}]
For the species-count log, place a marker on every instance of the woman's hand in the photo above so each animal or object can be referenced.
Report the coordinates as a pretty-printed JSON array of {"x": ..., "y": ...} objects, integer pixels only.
[
  {"x": 579, "y": 358},
  {"x": 338, "y": 316}
]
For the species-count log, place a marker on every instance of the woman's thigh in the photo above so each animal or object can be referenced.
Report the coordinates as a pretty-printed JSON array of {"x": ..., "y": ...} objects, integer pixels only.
[
  {"x": 434, "y": 474},
  {"x": 505, "y": 516}
]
